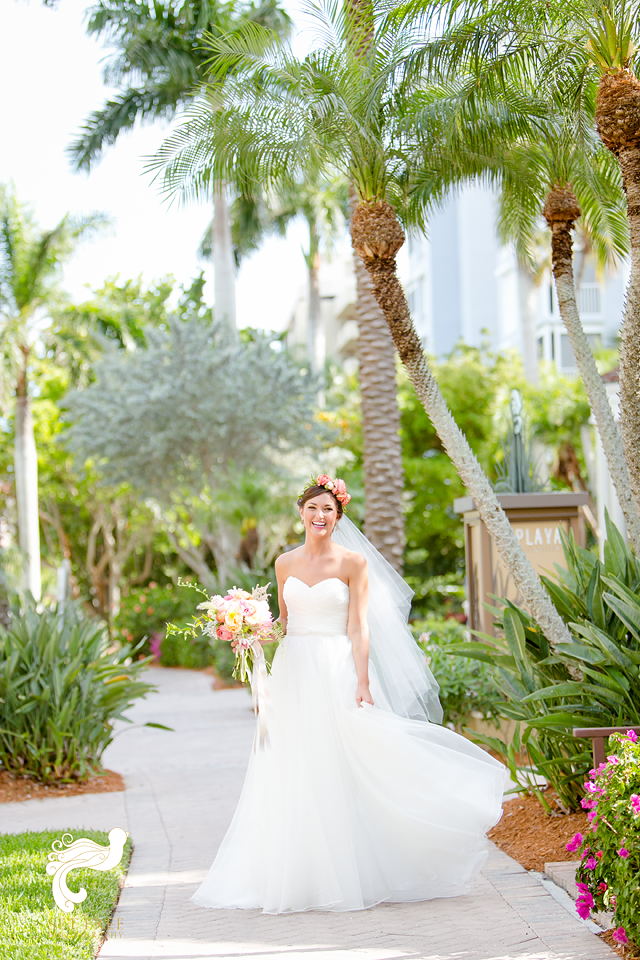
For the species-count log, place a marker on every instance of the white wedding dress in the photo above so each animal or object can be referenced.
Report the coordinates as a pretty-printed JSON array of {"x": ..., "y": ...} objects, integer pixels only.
[{"x": 346, "y": 806}]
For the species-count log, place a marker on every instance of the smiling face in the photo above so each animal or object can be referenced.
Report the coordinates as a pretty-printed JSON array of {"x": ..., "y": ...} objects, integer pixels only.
[{"x": 319, "y": 515}]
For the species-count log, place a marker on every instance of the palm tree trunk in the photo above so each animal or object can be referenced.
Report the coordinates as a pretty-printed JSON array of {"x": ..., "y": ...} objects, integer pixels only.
[
  {"x": 314, "y": 319},
  {"x": 617, "y": 108},
  {"x": 560, "y": 211},
  {"x": 26, "y": 481},
  {"x": 383, "y": 470},
  {"x": 224, "y": 274},
  {"x": 377, "y": 236}
]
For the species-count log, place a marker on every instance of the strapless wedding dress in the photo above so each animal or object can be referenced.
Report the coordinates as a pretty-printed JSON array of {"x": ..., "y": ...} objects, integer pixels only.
[{"x": 349, "y": 806}]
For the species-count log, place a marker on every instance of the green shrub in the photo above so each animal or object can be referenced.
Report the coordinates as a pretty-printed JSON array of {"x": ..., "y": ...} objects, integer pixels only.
[
  {"x": 61, "y": 688},
  {"x": 465, "y": 687},
  {"x": 608, "y": 877},
  {"x": 145, "y": 612},
  {"x": 590, "y": 682}
]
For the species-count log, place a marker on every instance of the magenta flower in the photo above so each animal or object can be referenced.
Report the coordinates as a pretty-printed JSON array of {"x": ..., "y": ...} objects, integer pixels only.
[
  {"x": 602, "y": 887},
  {"x": 620, "y": 935},
  {"x": 582, "y": 887},
  {"x": 591, "y": 787},
  {"x": 635, "y": 804},
  {"x": 588, "y": 804},
  {"x": 590, "y": 863},
  {"x": 574, "y": 843},
  {"x": 584, "y": 904},
  {"x": 633, "y": 736},
  {"x": 613, "y": 759},
  {"x": 592, "y": 815},
  {"x": 623, "y": 852}
]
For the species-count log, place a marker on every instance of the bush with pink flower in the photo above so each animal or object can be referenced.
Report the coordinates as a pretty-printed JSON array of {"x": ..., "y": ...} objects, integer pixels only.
[{"x": 608, "y": 877}]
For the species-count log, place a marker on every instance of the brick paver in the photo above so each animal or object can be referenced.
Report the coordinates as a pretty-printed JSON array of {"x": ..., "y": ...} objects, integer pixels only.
[{"x": 182, "y": 788}]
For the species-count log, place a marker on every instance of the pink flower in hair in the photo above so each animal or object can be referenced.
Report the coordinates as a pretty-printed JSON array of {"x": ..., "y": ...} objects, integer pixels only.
[
  {"x": 340, "y": 491},
  {"x": 322, "y": 480}
]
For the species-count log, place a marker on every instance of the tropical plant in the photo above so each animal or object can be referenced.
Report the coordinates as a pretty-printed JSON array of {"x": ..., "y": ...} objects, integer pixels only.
[
  {"x": 590, "y": 681},
  {"x": 61, "y": 688},
  {"x": 345, "y": 105},
  {"x": 607, "y": 876},
  {"x": 158, "y": 64},
  {"x": 30, "y": 261}
]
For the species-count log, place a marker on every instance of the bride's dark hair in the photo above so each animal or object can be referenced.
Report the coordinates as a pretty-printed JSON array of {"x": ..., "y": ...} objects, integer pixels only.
[{"x": 315, "y": 491}]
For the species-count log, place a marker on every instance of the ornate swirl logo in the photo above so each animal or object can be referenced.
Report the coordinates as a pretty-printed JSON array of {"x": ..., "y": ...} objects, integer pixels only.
[{"x": 81, "y": 853}]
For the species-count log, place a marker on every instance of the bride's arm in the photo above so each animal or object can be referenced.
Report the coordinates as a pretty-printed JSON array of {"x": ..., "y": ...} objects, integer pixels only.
[
  {"x": 358, "y": 627},
  {"x": 281, "y": 577}
]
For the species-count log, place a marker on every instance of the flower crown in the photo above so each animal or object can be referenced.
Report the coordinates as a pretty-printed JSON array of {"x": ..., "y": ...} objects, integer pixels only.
[{"x": 337, "y": 487}]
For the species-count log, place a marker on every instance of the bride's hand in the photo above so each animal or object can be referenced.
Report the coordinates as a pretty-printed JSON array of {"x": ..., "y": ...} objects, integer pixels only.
[{"x": 363, "y": 694}]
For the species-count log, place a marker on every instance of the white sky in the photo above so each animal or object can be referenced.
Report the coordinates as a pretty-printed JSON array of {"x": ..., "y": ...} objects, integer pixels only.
[{"x": 50, "y": 75}]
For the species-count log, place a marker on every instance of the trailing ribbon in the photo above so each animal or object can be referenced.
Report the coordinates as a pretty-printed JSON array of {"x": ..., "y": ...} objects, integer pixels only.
[{"x": 259, "y": 680}]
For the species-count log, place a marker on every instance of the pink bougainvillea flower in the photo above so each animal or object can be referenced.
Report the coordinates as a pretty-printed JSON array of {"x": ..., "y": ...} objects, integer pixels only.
[
  {"x": 592, "y": 787},
  {"x": 575, "y": 842},
  {"x": 591, "y": 816},
  {"x": 599, "y": 854},
  {"x": 623, "y": 852},
  {"x": 582, "y": 887},
  {"x": 602, "y": 887},
  {"x": 588, "y": 804},
  {"x": 635, "y": 804},
  {"x": 584, "y": 904},
  {"x": 590, "y": 863},
  {"x": 633, "y": 736},
  {"x": 620, "y": 935},
  {"x": 613, "y": 759}
]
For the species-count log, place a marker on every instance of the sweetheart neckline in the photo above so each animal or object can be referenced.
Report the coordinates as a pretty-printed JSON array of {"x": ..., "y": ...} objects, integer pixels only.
[{"x": 311, "y": 586}]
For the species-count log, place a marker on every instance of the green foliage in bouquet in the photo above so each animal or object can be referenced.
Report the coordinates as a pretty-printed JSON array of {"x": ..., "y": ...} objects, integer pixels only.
[
  {"x": 590, "y": 682},
  {"x": 465, "y": 687},
  {"x": 61, "y": 689},
  {"x": 608, "y": 877}
]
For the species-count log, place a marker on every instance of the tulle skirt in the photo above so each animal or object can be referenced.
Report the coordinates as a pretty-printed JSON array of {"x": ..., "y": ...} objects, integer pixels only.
[{"x": 348, "y": 806}]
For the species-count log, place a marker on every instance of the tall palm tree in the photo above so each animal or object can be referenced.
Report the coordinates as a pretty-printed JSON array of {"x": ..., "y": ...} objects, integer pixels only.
[
  {"x": 572, "y": 49},
  {"x": 30, "y": 261},
  {"x": 280, "y": 115},
  {"x": 159, "y": 64}
]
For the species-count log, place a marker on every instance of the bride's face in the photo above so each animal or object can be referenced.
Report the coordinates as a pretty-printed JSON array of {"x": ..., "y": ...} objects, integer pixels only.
[{"x": 319, "y": 516}]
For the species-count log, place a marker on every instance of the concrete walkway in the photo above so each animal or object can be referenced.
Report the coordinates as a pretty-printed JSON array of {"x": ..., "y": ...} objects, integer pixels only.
[{"x": 182, "y": 788}]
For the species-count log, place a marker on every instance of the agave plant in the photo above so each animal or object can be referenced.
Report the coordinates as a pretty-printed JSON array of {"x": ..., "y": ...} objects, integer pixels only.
[
  {"x": 591, "y": 681},
  {"x": 61, "y": 689}
]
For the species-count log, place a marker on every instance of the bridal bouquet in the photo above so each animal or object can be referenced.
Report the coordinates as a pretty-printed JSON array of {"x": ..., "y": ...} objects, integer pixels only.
[{"x": 238, "y": 617}]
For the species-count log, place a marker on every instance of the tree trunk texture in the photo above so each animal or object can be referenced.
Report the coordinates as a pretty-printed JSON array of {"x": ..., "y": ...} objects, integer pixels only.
[
  {"x": 630, "y": 332},
  {"x": 562, "y": 259},
  {"x": 224, "y": 273},
  {"x": 26, "y": 480},
  {"x": 376, "y": 237},
  {"x": 618, "y": 123},
  {"x": 383, "y": 470}
]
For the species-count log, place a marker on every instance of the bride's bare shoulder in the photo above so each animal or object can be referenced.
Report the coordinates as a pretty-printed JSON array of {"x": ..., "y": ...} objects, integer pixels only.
[
  {"x": 353, "y": 562},
  {"x": 286, "y": 560}
]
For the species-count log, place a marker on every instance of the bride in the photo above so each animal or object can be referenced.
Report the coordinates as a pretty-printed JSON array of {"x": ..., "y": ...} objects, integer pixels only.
[{"x": 357, "y": 796}]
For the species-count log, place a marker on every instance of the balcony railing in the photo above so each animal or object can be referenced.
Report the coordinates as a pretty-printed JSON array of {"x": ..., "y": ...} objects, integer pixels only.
[{"x": 590, "y": 300}]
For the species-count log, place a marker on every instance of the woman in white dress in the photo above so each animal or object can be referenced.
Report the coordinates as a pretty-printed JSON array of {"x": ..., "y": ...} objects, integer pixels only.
[{"x": 356, "y": 797}]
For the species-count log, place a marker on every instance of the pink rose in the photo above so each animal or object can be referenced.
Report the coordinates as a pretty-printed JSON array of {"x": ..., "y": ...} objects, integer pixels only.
[
  {"x": 322, "y": 479},
  {"x": 224, "y": 634}
]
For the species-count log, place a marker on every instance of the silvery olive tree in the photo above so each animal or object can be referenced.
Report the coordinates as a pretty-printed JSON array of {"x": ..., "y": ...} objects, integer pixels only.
[{"x": 178, "y": 418}]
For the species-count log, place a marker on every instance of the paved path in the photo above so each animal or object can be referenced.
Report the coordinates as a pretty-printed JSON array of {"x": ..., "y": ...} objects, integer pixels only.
[{"x": 182, "y": 788}]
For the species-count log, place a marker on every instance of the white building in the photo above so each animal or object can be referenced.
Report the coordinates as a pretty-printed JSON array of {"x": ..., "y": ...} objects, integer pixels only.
[{"x": 464, "y": 285}]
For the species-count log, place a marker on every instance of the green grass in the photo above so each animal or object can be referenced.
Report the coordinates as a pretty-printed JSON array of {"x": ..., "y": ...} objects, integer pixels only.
[{"x": 32, "y": 927}]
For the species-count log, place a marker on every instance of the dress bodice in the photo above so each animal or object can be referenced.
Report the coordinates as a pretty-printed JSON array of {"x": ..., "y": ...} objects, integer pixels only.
[{"x": 322, "y": 608}]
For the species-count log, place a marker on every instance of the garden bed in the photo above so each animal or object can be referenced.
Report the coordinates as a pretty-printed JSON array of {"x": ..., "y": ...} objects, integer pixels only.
[
  {"x": 14, "y": 787},
  {"x": 532, "y": 837}
]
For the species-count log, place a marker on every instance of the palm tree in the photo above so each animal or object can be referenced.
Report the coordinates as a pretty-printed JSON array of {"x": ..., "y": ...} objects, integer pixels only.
[
  {"x": 561, "y": 173},
  {"x": 159, "y": 63},
  {"x": 349, "y": 107},
  {"x": 30, "y": 262}
]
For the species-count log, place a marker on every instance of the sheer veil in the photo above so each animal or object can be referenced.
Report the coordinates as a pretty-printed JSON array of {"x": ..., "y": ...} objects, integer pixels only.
[{"x": 400, "y": 664}]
